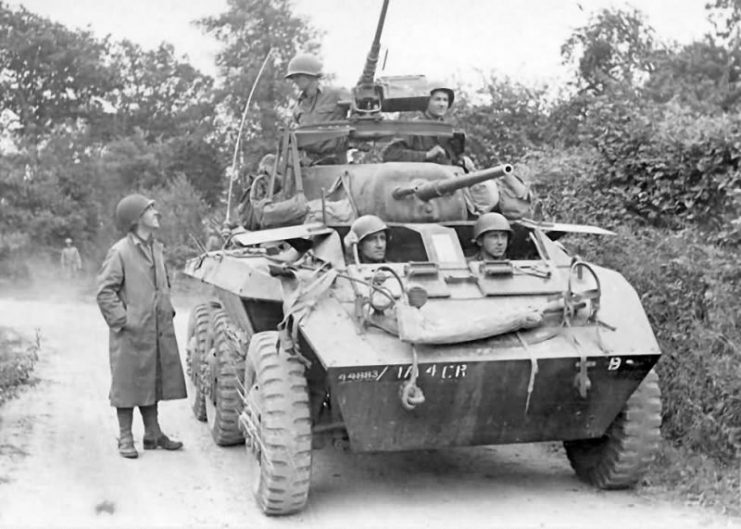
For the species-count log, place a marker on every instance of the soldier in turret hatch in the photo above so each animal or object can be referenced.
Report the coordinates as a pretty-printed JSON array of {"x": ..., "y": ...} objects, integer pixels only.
[
  {"x": 427, "y": 148},
  {"x": 315, "y": 103}
]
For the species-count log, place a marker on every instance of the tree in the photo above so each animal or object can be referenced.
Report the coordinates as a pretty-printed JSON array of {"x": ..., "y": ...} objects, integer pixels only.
[
  {"x": 248, "y": 30},
  {"x": 506, "y": 121},
  {"x": 158, "y": 94},
  {"x": 616, "y": 47},
  {"x": 49, "y": 75}
]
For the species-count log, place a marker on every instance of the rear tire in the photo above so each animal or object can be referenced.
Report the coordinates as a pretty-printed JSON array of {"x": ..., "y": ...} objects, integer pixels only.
[
  {"x": 619, "y": 459},
  {"x": 200, "y": 318},
  {"x": 281, "y": 456},
  {"x": 224, "y": 376}
]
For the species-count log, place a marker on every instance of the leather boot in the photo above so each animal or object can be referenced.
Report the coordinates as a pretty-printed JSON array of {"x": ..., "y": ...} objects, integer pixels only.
[
  {"x": 162, "y": 442},
  {"x": 153, "y": 436},
  {"x": 125, "y": 438},
  {"x": 126, "y": 447}
]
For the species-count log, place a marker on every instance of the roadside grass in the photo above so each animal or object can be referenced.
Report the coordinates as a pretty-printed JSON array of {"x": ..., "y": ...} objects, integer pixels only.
[
  {"x": 17, "y": 358},
  {"x": 695, "y": 479}
]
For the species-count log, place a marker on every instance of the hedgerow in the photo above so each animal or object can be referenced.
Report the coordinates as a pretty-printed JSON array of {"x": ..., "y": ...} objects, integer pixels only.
[{"x": 689, "y": 286}]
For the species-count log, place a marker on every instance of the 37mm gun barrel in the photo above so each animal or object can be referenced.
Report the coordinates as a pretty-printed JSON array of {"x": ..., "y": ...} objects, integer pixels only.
[{"x": 438, "y": 188}]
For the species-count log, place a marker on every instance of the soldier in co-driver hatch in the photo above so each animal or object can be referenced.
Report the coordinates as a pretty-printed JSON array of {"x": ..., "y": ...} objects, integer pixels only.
[
  {"x": 491, "y": 233},
  {"x": 134, "y": 298}
]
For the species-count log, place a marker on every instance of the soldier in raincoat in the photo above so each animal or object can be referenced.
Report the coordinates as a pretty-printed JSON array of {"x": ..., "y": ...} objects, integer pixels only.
[{"x": 134, "y": 297}]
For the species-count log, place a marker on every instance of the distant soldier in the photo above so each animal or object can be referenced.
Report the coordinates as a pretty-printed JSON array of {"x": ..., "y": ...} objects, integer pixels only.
[
  {"x": 134, "y": 298},
  {"x": 427, "y": 148},
  {"x": 70, "y": 260},
  {"x": 315, "y": 103},
  {"x": 491, "y": 233},
  {"x": 367, "y": 239}
]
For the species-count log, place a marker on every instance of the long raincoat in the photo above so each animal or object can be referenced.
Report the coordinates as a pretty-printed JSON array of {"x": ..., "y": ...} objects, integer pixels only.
[{"x": 134, "y": 298}]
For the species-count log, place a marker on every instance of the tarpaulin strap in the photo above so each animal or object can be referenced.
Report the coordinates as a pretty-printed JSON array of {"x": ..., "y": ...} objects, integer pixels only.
[
  {"x": 411, "y": 393},
  {"x": 300, "y": 303},
  {"x": 533, "y": 371}
]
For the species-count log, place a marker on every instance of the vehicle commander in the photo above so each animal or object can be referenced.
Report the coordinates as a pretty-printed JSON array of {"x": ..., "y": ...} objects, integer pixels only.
[
  {"x": 491, "y": 233},
  {"x": 315, "y": 103},
  {"x": 367, "y": 239},
  {"x": 134, "y": 298}
]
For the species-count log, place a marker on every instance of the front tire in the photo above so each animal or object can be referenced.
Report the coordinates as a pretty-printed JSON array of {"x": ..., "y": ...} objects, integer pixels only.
[
  {"x": 224, "y": 378},
  {"x": 280, "y": 446},
  {"x": 200, "y": 318},
  {"x": 619, "y": 459}
]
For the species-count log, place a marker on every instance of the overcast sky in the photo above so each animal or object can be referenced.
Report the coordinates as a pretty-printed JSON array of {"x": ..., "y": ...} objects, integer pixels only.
[{"x": 443, "y": 39}]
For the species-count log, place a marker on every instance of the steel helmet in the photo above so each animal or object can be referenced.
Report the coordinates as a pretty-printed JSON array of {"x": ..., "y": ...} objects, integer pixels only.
[
  {"x": 490, "y": 222},
  {"x": 306, "y": 64},
  {"x": 129, "y": 209},
  {"x": 362, "y": 227},
  {"x": 442, "y": 87}
]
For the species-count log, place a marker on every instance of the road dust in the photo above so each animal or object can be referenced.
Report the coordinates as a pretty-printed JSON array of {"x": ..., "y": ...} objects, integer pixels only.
[{"x": 59, "y": 466}]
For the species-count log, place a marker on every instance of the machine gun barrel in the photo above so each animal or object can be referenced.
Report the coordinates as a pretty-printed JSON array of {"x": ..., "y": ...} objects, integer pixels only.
[
  {"x": 438, "y": 188},
  {"x": 369, "y": 72}
]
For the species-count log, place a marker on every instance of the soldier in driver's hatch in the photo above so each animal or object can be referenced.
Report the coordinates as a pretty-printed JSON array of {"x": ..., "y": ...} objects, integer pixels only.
[
  {"x": 134, "y": 298},
  {"x": 427, "y": 148},
  {"x": 369, "y": 234},
  {"x": 491, "y": 233}
]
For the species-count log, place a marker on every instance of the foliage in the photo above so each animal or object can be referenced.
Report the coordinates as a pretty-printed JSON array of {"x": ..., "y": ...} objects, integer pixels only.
[
  {"x": 503, "y": 120},
  {"x": 615, "y": 48},
  {"x": 49, "y": 74},
  {"x": 248, "y": 30},
  {"x": 17, "y": 358},
  {"x": 157, "y": 94},
  {"x": 689, "y": 288},
  {"x": 669, "y": 165},
  {"x": 183, "y": 213},
  {"x": 703, "y": 75}
]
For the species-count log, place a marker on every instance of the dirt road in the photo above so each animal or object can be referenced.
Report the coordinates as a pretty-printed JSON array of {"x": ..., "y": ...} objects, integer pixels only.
[{"x": 59, "y": 466}]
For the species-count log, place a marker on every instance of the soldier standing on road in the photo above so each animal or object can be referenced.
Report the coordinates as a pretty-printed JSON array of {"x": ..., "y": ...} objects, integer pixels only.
[
  {"x": 134, "y": 298},
  {"x": 427, "y": 148},
  {"x": 70, "y": 260},
  {"x": 491, "y": 233}
]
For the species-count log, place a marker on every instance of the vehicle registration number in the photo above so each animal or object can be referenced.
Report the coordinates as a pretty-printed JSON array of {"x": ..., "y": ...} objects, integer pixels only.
[{"x": 397, "y": 373}]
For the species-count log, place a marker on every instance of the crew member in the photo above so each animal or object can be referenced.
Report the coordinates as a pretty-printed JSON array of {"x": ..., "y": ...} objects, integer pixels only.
[
  {"x": 70, "y": 260},
  {"x": 491, "y": 233},
  {"x": 134, "y": 298},
  {"x": 367, "y": 239},
  {"x": 315, "y": 103},
  {"x": 427, "y": 148}
]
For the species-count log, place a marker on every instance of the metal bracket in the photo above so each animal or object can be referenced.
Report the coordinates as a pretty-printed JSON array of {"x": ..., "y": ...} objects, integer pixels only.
[{"x": 581, "y": 380}]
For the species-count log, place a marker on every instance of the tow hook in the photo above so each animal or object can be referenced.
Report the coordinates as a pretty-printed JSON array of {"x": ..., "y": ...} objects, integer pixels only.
[{"x": 581, "y": 380}]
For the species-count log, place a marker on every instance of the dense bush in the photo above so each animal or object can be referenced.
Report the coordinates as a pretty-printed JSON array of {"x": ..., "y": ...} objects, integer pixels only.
[{"x": 689, "y": 288}]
